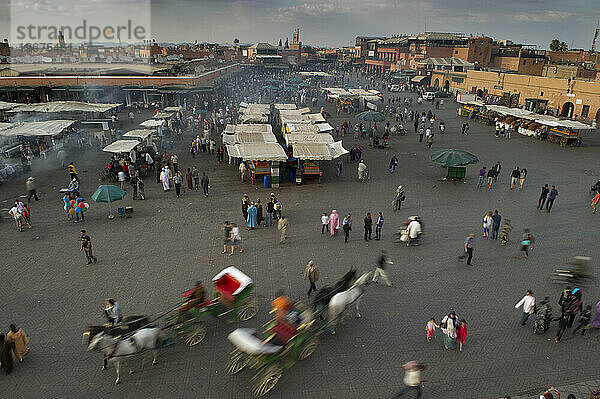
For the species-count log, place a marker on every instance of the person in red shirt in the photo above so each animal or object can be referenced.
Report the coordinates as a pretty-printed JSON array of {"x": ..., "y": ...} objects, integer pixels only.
[{"x": 461, "y": 334}]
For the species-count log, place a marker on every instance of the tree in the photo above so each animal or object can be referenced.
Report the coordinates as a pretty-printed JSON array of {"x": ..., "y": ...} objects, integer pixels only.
[{"x": 557, "y": 45}]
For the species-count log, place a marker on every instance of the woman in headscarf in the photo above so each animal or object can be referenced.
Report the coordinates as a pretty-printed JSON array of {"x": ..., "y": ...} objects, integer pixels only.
[
  {"x": 334, "y": 222},
  {"x": 449, "y": 324},
  {"x": 252, "y": 216}
]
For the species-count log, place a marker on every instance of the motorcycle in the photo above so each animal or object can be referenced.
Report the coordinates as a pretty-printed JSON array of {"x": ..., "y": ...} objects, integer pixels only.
[{"x": 576, "y": 274}]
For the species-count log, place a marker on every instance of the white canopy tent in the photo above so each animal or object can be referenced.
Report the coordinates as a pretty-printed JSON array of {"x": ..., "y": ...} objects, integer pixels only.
[
  {"x": 4, "y": 106},
  {"x": 324, "y": 127},
  {"x": 318, "y": 151},
  {"x": 173, "y": 109},
  {"x": 141, "y": 134},
  {"x": 153, "y": 123},
  {"x": 45, "y": 128},
  {"x": 164, "y": 115},
  {"x": 285, "y": 106},
  {"x": 321, "y": 138},
  {"x": 121, "y": 146},
  {"x": 261, "y": 152},
  {"x": 64, "y": 106}
]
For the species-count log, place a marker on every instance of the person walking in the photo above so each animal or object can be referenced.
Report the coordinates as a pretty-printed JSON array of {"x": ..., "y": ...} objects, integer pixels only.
[
  {"x": 543, "y": 196},
  {"x": 324, "y": 222},
  {"x": 196, "y": 177},
  {"x": 378, "y": 226},
  {"x": 133, "y": 181},
  {"x": 17, "y": 216},
  {"x": 311, "y": 273},
  {"x": 430, "y": 328},
  {"x": 496, "y": 218},
  {"x": 468, "y": 249},
  {"x": 398, "y": 198},
  {"x": 205, "y": 184},
  {"x": 528, "y": 304},
  {"x": 551, "y": 197},
  {"x": 30, "y": 187},
  {"x": 282, "y": 226},
  {"x": 177, "y": 180},
  {"x": 112, "y": 311},
  {"x": 412, "y": 379},
  {"x": 368, "y": 222},
  {"x": 226, "y": 228},
  {"x": 449, "y": 326},
  {"x": 522, "y": 178},
  {"x": 6, "y": 357},
  {"x": 86, "y": 246},
  {"x": 429, "y": 139},
  {"x": 584, "y": 320},
  {"x": 563, "y": 324},
  {"x": 347, "y": 226},
  {"x": 270, "y": 208},
  {"x": 382, "y": 263},
  {"x": 189, "y": 180},
  {"x": 421, "y": 134},
  {"x": 334, "y": 222},
  {"x": 461, "y": 334},
  {"x": 487, "y": 224},
  {"x": 491, "y": 174},
  {"x": 18, "y": 337},
  {"x": 140, "y": 187},
  {"x": 235, "y": 238},
  {"x": 482, "y": 173},
  {"x": 242, "y": 170},
  {"x": 526, "y": 242},
  {"x": 497, "y": 168},
  {"x": 393, "y": 163},
  {"x": 514, "y": 177}
]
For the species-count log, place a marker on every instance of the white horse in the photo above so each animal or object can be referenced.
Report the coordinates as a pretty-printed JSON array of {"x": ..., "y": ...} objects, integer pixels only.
[
  {"x": 116, "y": 350},
  {"x": 340, "y": 301}
]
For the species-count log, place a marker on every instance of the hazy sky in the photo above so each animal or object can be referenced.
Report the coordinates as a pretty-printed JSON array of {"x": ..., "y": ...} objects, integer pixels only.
[{"x": 337, "y": 22}]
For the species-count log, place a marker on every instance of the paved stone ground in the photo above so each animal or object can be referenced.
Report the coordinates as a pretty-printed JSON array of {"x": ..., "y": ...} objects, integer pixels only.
[{"x": 147, "y": 261}]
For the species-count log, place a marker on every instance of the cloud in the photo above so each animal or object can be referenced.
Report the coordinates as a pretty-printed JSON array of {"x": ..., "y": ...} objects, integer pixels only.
[{"x": 546, "y": 16}]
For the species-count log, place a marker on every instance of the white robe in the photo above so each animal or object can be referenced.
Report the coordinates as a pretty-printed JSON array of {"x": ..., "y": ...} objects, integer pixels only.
[{"x": 164, "y": 178}]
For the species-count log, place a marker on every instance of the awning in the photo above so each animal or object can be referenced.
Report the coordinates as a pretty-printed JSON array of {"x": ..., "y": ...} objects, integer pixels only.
[
  {"x": 233, "y": 151},
  {"x": 318, "y": 151},
  {"x": 4, "y": 106},
  {"x": 316, "y": 118},
  {"x": 152, "y": 123},
  {"x": 121, "y": 146},
  {"x": 64, "y": 106},
  {"x": 261, "y": 152},
  {"x": 141, "y": 134},
  {"x": 321, "y": 138},
  {"x": 249, "y": 137},
  {"x": 324, "y": 127},
  {"x": 173, "y": 109},
  {"x": 45, "y": 128},
  {"x": 163, "y": 115},
  {"x": 418, "y": 79}
]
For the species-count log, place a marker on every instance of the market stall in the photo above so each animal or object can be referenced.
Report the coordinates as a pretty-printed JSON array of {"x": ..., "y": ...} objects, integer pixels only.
[
  {"x": 259, "y": 154},
  {"x": 143, "y": 135},
  {"x": 121, "y": 146},
  {"x": 43, "y": 134}
]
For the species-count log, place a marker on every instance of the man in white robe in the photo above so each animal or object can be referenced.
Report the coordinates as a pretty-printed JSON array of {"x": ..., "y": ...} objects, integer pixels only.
[{"x": 164, "y": 178}]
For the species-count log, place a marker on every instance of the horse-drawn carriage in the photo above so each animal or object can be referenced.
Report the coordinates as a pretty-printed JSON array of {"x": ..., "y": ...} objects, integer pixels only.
[
  {"x": 287, "y": 340},
  {"x": 233, "y": 295},
  {"x": 294, "y": 334}
]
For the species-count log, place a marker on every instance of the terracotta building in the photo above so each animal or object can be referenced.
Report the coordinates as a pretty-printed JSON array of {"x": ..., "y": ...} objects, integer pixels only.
[{"x": 565, "y": 97}]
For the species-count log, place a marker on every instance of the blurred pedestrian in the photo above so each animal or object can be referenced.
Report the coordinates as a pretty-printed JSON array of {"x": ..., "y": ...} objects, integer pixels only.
[
  {"x": 17, "y": 216},
  {"x": 543, "y": 196},
  {"x": 382, "y": 263},
  {"x": 551, "y": 197},
  {"x": 324, "y": 222},
  {"x": 514, "y": 177},
  {"x": 347, "y": 226},
  {"x": 368, "y": 223},
  {"x": 379, "y": 226},
  {"x": 282, "y": 226},
  {"x": 448, "y": 326},
  {"x": 412, "y": 379},
  {"x": 496, "y": 218},
  {"x": 177, "y": 180},
  {"x": 140, "y": 187},
  {"x": 196, "y": 177},
  {"x": 584, "y": 320},
  {"x": 522, "y": 178},
  {"x": 188, "y": 179},
  {"x": 6, "y": 357},
  {"x": 30, "y": 187},
  {"x": 430, "y": 328},
  {"x": 235, "y": 238},
  {"x": 205, "y": 185},
  {"x": 398, "y": 198}
]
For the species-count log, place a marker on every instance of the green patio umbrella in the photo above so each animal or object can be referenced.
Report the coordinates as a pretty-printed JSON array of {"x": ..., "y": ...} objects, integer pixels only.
[
  {"x": 108, "y": 193},
  {"x": 453, "y": 158},
  {"x": 371, "y": 116}
]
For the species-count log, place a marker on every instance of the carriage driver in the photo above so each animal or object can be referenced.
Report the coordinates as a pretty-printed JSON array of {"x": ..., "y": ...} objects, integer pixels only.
[
  {"x": 197, "y": 296},
  {"x": 281, "y": 305}
]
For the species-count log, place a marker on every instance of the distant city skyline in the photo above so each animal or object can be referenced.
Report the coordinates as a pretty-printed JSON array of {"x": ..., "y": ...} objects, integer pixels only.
[{"x": 335, "y": 23}]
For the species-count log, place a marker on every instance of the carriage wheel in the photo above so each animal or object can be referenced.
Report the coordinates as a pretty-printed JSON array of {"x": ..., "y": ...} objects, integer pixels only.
[
  {"x": 268, "y": 380},
  {"x": 308, "y": 347},
  {"x": 175, "y": 320},
  {"x": 195, "y": 334},
  {"x": 237, "y": 363},
  {"x": 248, "y": 308}
]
